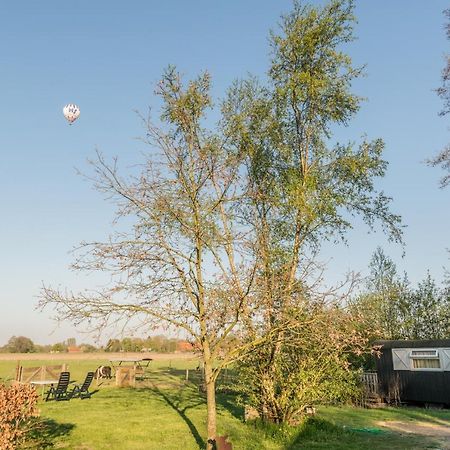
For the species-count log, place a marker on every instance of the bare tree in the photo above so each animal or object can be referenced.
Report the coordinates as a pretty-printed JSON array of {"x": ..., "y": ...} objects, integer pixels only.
[
  {"x": 184, "y": 261},
  {"x": 443, "y": 158}
]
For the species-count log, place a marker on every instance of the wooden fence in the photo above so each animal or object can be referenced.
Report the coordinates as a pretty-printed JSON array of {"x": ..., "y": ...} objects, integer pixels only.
[
  {"x": 370, "y": 382},
  {"x": 41, "y": 373}
]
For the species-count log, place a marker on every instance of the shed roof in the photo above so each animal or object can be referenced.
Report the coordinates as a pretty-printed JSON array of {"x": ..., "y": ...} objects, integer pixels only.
[{"x": 416, "y": 343}]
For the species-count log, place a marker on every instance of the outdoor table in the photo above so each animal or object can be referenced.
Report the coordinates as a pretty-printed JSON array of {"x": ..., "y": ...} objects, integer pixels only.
[
  {"x": 137, "y": 363},
  {"x": 43, "y": 383}
]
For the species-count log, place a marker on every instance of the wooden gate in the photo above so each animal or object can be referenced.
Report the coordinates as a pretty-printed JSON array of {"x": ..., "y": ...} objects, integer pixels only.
[
  {"x": 371, "y": 392},
  {"x": 29, "y": 374}
]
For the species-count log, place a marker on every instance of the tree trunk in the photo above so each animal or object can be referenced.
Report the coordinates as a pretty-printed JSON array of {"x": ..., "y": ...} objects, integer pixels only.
[{"x": 211, "y": 407}]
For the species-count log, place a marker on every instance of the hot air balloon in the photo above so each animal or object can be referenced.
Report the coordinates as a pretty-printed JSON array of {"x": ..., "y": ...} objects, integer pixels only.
[{"x": 71, "y": 112}]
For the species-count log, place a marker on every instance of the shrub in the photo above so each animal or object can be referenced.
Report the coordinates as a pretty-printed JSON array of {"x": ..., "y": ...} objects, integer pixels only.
[
  {"x": 309, "y": 364},
  {"x": 17, "y": 412}
]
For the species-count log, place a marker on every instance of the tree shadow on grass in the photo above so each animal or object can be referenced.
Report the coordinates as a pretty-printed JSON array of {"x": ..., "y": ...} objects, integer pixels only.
[
  {"x": 45, "y": 431},
  {"x": 180, "y": 404},
  {"x": 225, "y": 398},
  {"x": 194, "y": 376},
  {"x": 230, "y": 403}
]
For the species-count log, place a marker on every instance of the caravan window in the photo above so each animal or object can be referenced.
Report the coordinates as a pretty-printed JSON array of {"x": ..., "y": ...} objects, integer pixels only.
[{"x": 425, "y": 359}]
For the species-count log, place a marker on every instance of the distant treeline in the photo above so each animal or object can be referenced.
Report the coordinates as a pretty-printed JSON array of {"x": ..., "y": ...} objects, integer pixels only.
[{"x": 160, "y": 343}]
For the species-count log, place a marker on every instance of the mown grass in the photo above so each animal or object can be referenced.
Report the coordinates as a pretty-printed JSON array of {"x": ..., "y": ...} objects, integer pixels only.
[{"x": 166, "y": 412}]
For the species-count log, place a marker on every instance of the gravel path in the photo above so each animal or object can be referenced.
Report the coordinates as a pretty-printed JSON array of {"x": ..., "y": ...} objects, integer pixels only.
[{"x": 440, "y": 430}]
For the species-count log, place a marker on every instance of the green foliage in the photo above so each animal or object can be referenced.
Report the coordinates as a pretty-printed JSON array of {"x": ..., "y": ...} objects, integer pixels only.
[
  {"x": 59, "y": 347},
  {"x": 384, "y": 306},
  {"x": 301, "y": 190},
  {"x": 428, "y": 314},
  {"x": 159, "y": 343},
  {"x": 311, "y": 366},
  {"x": 393, "y": 309},
  {"x": 20, "y": 344},
  {"x": 283, "y": 131},
  {"x": 72, "y": 342},
  {"x": 88, "y": 348},
  {"x": 309, "y": 69}
]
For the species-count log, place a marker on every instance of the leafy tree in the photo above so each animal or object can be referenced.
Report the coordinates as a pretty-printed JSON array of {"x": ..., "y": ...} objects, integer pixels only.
[
  {"x": 429, "y": 311},
  {"x": 129, "y": 345},
  {"x": 20, "y": 344},
  {"x": 443, "y": 158},
  {"x": 88, "y": 348},
  {"x": 161, "y": 344},
  {"x": 312, "y": 365},
  {"x": 393, "y": 309},
  {"x": 302, "y": 190},
  {"x": 59, "y": 347},
  {"x": 384, "y": 307},
  {"x": 71, "y": 342},
  {"x": 42, "y": 348}
]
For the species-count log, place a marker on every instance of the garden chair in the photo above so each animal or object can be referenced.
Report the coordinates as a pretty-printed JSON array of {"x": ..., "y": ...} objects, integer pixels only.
[
  {"x": 60, "y": 391},
  {"x": 82, "y": 391}
]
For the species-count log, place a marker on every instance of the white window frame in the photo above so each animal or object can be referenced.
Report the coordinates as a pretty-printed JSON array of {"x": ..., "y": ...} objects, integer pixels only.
[{"x": 436, "y": 355}]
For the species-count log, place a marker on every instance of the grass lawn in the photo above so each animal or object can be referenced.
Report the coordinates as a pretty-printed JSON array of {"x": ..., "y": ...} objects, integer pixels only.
[{"x": 166, "y": 412}]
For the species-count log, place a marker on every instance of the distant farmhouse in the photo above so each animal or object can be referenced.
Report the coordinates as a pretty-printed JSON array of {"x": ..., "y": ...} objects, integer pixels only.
[{"x": 73, "y": 349}]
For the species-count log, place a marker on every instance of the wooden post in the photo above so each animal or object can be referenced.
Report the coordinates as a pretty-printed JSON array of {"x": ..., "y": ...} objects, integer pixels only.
[
  {"x": 18, "y": 371},
  {"x": 187, "y": 374}
]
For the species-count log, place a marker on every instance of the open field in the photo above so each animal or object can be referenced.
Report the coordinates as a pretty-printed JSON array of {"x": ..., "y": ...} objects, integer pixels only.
[{"x": 167, "y": 412}]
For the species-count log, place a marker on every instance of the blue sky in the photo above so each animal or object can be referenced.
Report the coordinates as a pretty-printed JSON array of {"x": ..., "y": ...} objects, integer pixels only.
[{"x": 106, "y": 56}]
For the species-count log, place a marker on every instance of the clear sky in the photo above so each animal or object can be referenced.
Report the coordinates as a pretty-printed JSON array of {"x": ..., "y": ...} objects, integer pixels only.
[{"x": 106, "y": 56}]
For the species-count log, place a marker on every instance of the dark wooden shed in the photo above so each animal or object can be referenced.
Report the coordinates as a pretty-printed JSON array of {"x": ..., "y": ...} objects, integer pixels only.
[{"x": 416, "y": 371}]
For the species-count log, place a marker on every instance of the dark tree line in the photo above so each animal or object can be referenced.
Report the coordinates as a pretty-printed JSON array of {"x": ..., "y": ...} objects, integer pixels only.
[{"x": 159, "y": 343}]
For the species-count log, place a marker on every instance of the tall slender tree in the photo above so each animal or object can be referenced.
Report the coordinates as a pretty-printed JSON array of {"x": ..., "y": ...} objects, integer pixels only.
[
  {"x": 384, "y": 305},
  {"x": 429, "y": 311},
  {"x": 303, "y": 190}
]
